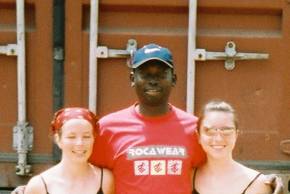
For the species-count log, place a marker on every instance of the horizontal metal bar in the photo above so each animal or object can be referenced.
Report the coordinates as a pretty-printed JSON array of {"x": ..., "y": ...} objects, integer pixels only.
[
  {"x": 267, "y": 165},
  {"x": 104, "y": 52},
  {"x": 203, "y": 55},
  {"x": 114, "y": 53},
  {"x": 6, "y": 191},
  {"x": 238, "y": 56},
  {"x": 215, "y": 56},
  {"x": 32, "y": 158},
  {"x": 9, "y": 50},
  {"x": 251, "y": 56}
]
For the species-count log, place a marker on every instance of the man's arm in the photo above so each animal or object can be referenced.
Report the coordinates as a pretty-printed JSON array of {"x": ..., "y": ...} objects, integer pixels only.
[
  {"x": 19, "y": 190},
  {"x": 276, "y": 183}
]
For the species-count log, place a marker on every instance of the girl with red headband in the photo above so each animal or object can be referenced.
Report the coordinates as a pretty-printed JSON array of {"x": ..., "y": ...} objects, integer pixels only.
[{"x": 74, "y": 131}]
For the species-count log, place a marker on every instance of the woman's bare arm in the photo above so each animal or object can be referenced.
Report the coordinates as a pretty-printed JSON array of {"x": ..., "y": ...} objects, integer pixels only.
[
  {"x": 109, "y": 183},
  {"x": 259, "y": 187},
  {"x": 35, "y": 186}
]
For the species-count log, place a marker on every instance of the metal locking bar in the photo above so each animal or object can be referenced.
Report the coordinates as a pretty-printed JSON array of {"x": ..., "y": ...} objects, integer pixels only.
[
  {"x": 105, "y": 52},
  {"x": 230, "y": 55},
  {"x": 9, "y": 50},
  {"x": 22, "y": 142}
]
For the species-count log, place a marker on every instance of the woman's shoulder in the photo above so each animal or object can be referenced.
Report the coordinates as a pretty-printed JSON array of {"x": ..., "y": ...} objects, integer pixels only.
[
  {"x": 108, "y": 184},
  {"x": 259, "y": 186},
  {"x": 38, "y": 183},
  {"x": 35, "y": 186},
  {"x": 106, "y": 172},
  {"x": 257, "y": 182}
]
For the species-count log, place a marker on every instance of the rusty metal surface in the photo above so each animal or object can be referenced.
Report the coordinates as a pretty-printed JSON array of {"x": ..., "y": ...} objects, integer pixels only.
[
  {"x": 258, "y": 89},
  {"x": 39, "y": 78}
]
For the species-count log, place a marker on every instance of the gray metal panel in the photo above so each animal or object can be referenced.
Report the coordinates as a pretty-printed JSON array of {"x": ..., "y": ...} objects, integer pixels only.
[
  {"x": 32, "y": 158},
  {"x": 267, "y": 165},
  {"x": 5, "y": 192}
]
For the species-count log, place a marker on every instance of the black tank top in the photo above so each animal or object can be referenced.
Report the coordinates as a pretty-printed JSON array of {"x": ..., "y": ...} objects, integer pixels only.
[
  {"x": 194, "y": 191},
  {"x": 100, "y": 191}
]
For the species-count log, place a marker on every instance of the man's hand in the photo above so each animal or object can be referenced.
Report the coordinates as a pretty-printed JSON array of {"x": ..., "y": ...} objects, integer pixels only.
[
  {"x": 19, "y": 190},
  {"x": 275, "y": 182}
]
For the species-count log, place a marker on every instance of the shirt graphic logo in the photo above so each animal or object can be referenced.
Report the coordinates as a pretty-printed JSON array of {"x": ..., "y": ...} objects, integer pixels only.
[
  {"x": 157, "y": 167},
  {"x": 156, "y": 151},
  {"x": 141, "y": 167},
  {"x": 174, "y": 167}
]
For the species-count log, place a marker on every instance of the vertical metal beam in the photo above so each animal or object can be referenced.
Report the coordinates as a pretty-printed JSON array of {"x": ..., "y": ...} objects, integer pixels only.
[
  {"x": 22, "y": 132},
  {"x": 93, "y": 55},
  {"x": 191, "y": 46},
  {"x": 58, "y": 53},
  {"x": 58, "y": 61},
  {"x": 21, "y": 74}
]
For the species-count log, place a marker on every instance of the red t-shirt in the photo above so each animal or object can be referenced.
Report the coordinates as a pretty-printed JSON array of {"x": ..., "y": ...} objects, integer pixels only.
[{"x": 149, "y": 155}]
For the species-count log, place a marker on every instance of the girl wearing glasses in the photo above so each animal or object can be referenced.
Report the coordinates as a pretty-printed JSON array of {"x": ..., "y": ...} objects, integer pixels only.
[{"x": 221, "y": 174}]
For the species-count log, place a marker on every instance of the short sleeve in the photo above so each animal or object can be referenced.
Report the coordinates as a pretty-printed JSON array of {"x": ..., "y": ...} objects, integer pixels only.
[
  {"x": 102, "y": 151},
  {"x": 199, "y": 156}
]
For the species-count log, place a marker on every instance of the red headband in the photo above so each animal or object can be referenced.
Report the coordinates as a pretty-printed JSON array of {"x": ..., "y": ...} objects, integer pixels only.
[{"x": 65, "y": 114}]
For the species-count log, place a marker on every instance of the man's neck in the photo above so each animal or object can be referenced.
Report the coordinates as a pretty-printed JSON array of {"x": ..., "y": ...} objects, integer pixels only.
[{"x": 153, "y": 111}]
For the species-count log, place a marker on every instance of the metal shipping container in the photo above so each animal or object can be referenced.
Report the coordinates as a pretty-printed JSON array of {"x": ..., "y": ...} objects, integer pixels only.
[{"x": 232, "y": 50}]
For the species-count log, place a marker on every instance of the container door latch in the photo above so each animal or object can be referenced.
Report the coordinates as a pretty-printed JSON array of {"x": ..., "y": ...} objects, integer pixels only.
[
  {"x": 105, "y": 52},
  {"x": 230, "y": 55}
]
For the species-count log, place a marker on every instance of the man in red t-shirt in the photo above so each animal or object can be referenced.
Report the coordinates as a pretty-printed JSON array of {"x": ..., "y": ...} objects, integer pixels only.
[{"x": 151, "y": 147}]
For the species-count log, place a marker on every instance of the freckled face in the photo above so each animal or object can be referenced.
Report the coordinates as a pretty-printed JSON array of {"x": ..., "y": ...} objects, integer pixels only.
[
  {"x": 219, "y": 143},
  {"x": 76, "y": 140}
]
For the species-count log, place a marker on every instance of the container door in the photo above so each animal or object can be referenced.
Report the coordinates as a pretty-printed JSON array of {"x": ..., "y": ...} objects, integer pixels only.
[
  {"x": 259, "y": 89},
  {"x": 38, "y": 24}
]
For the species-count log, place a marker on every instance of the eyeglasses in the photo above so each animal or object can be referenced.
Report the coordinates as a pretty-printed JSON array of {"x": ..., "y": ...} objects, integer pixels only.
[{"x": 224, "y": 131}]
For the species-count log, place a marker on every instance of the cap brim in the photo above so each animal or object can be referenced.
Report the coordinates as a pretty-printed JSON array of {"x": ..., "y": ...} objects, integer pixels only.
[{"x": 136, "y": 65}]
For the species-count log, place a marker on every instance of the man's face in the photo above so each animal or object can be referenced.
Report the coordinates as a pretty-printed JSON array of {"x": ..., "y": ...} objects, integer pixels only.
[{"x": 153, "y": 82}]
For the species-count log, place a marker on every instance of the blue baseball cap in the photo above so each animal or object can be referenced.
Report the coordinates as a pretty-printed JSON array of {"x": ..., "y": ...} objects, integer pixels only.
[{"x": 152, "y": 52}]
